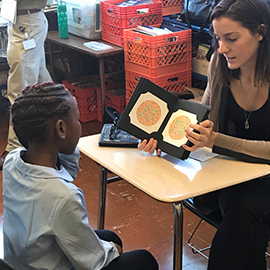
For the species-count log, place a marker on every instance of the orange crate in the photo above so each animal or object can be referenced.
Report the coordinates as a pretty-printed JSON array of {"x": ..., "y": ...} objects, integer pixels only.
[
  {"x": 110, "y": 99},
  {"x": 174, "y": 82},
  {"x": 170, "y": 7},
  {"x": 86, "y": 97},
  {"x": 115, "y": 19},
  {"x": 157, "y": 55}
]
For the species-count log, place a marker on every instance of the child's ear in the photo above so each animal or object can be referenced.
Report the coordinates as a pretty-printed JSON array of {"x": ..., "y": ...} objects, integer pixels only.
[{"x": 61, "y": 129}]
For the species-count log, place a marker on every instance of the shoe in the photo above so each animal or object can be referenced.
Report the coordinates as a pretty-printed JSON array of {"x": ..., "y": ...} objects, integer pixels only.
[{"x": 2, "y": 159}]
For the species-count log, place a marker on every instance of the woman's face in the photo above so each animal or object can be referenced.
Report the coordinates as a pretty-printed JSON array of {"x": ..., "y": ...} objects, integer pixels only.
[{"x": 238, "y": 45}]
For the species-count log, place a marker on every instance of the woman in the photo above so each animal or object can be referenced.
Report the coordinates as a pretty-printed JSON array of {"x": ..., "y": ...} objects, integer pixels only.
[{"x": 238, "y": 126}]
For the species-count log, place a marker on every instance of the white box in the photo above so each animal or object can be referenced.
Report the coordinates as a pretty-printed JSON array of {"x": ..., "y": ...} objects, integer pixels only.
[{"x": 84, "y": 18}]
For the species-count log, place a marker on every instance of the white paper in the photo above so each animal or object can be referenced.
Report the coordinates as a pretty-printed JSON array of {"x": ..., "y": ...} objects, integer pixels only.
[
  {"x": 97, "y": 46},
  {"x": 9, "y": 10},
  {"x": 202, "y": 154}
]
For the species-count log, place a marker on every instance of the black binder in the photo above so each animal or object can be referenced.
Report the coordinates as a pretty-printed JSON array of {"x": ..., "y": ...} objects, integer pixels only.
[{"x": 153, "y": 112}]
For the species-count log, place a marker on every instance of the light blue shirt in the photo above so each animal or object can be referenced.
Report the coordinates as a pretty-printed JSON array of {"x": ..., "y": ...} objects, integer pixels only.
[{"x": 45, "y": 219}]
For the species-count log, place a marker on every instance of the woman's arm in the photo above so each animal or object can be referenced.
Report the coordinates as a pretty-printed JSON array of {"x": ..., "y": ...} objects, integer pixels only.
[{"x": 246, "y": 150}]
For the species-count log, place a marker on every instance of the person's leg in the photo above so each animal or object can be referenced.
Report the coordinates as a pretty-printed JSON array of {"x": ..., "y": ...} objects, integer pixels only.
[
  {"x": 26, "y": 66},
  {"x": 244, "y": 207},
  {"x": 16, "y": 73},
  {"x": 39, "y": 30},
  {"x": 134, "y": 260},
  {"x": 256, "y": 258},
  {"x": 109, "y": 236}
]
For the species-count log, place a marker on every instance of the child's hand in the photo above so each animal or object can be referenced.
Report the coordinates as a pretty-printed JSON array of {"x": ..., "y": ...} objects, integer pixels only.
[
  {"x": 119, "y": 249},
  {"x": 149, "y": 146}
]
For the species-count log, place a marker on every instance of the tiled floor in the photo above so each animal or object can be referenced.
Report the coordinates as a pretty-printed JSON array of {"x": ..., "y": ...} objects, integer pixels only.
[{"x": 141, "y": 221}]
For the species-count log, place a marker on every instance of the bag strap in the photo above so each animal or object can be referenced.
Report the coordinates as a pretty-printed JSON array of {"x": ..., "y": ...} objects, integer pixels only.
[{"x": 186, "y": 15}]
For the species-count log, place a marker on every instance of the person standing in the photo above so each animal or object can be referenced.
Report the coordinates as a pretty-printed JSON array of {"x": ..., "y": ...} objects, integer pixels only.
[{"x": 25, "y": 55}]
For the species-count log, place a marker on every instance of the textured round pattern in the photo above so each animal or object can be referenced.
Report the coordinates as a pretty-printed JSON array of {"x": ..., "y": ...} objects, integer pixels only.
[
  {"x": 148, "y": 113},
  {"x": 178, "y": 126}
]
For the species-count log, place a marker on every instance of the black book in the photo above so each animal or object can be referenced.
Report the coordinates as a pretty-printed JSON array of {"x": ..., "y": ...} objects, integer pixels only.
[{"x": 153, "y": 112}]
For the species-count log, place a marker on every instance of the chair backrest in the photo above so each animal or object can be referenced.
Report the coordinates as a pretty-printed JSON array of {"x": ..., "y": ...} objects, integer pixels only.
[
  {"x": 214, "y": 218},
  {"x": 5, "y": 266}
]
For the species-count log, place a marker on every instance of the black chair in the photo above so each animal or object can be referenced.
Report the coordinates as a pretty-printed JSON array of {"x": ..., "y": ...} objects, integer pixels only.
[
  {"x": 213, "y": 219},
  {"x": 5, "y": 266}
]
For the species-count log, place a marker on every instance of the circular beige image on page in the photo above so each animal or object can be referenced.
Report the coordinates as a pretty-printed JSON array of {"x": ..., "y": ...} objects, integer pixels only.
[
  {"x": 178, "y": 126},
  {"x": 148, "y": 113}
]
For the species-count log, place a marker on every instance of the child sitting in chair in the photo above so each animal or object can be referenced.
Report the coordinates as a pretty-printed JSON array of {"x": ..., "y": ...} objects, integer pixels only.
[{"x": 45, "y": 218}]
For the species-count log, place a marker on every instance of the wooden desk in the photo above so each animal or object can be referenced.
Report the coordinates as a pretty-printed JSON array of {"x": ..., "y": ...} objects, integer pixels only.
[
  {"x": 166, "y": 178},
  {"x": 76, "y": 43}
]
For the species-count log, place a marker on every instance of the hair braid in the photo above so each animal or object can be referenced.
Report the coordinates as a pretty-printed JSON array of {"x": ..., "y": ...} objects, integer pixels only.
[{"x": 35, "y": 106}]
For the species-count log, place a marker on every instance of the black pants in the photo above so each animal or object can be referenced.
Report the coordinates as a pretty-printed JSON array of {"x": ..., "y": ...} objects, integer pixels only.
[
  {"x": 242, "y": 238},
  {"x": 133, "y": 260}
]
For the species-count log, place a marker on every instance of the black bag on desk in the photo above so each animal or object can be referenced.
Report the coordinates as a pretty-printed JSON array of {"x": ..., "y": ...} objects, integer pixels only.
[{"x": 197, "y": 12}]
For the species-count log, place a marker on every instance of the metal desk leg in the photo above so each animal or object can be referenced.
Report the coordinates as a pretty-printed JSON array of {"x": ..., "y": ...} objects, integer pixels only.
[
  {"x": 102, "y": 83},
  {"x": 178, "y": 236},
  {"x": 102, "y": 197}
]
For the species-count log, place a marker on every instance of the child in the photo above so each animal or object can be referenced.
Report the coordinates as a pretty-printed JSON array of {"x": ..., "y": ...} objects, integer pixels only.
[{"x": 45, "y": 219}]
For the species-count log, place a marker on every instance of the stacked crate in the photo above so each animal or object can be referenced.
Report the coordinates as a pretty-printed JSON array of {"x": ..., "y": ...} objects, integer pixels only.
[
  {"x": 114, "y": 97},
  {"x": 163, "y": 59},
  {"x": 85, "y": 91},
  {"x": 170, "y": 7},
  {"x": 114, "y": 19}
]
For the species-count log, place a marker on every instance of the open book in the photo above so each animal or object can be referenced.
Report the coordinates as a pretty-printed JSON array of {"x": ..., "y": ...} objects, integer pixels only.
[{"x": 153, "y": 112}]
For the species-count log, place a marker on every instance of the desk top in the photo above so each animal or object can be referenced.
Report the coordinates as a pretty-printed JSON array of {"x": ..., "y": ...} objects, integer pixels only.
[
  {"x": 167, "y": 178},
  {"x": 76, "y": 43}
]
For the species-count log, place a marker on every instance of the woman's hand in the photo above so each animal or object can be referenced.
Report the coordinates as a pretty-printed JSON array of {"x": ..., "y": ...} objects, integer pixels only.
[
  {"x": 205, "y": 137},
  {"x": 149, "y": 146}
]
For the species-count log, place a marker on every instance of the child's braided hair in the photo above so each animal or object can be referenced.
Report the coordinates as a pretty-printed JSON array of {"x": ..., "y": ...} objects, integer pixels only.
[{"x": 34, "y": 107}]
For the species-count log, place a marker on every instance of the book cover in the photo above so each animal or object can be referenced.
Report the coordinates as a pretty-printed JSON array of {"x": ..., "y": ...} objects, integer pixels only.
[{"x": 153, "y": 112}]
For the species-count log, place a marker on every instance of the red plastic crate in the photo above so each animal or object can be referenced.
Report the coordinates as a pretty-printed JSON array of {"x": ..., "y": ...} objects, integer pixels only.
[
  {"x": 115, "y": 19},
  {"x": 110, "y": 99},
  {"x": 157, "y": 55},
  {"x": 86, "y": 97},
  {"x": 170, "y": 7},
  {"x": 174, "y": 82}
]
